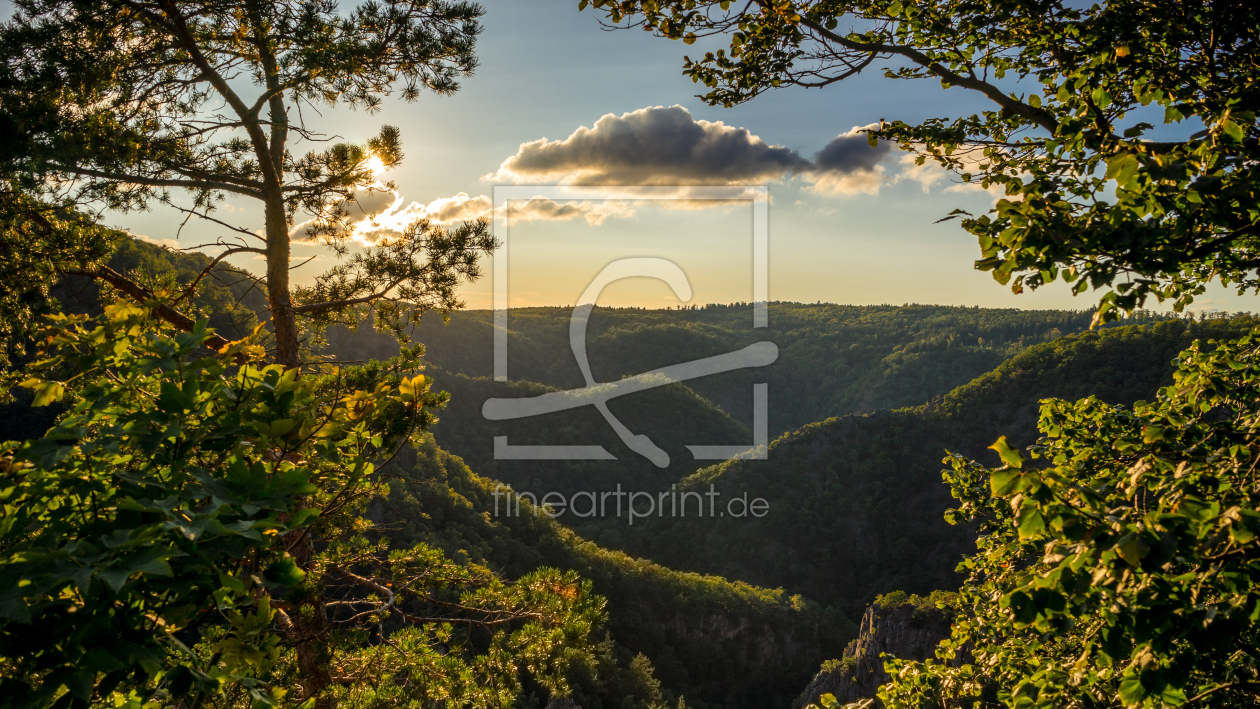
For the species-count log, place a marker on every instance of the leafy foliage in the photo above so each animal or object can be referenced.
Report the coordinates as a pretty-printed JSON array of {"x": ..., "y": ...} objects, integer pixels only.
[
  {"x": 1084, "y": 99},
  {"x": 37, "y": 244},
  {"x": 1117, "y": 561},
  {"x": 932, "y": 606},
  {"x": 230, "y": 304},
  {"x": 143, "y": 511},
  {"x": 190, "y": 531}
]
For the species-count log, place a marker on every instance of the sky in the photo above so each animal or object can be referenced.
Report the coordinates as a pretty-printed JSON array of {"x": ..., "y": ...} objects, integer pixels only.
[{"x": 556, "y": 99}]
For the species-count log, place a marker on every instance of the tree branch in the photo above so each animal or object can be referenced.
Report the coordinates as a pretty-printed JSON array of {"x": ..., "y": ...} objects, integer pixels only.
[
  {"x": 145, "y": 296},
  {"x": 321, "y": 307},
  {"x": 220, "y": 84},
  {"x": 159, "y": 182},
  {"x": 238, "y": 250},
  {"x": 853, "y": 71},
  {"x": 1040, "y": 117},
  {"x": 393, "y": 608}
]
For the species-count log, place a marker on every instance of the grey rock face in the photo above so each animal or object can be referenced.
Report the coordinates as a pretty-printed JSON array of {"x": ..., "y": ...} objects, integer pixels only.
[{"x": 907, "y": 631}]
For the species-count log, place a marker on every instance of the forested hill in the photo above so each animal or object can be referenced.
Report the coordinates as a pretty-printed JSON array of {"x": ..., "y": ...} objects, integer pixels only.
[
  {"x": 671, "y": 634},
  {"x": 833, "y": 359},
  {"x": 857, "y": 502},
  {"x": 673, "y": 416}
]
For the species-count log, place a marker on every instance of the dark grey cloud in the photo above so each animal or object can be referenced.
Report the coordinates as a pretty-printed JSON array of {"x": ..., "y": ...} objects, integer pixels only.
[
  {"x": 667, "y": 146},
  {"x": 652, "y": 146},
  {"x": 851, "y": 152},
  {"x": 849, "y": 165}
]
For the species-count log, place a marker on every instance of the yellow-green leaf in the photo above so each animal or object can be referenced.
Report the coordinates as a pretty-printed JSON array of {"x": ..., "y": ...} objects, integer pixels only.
[
  {"x": 46, "y": 392},
  {"x": 1010, "y": 456}
]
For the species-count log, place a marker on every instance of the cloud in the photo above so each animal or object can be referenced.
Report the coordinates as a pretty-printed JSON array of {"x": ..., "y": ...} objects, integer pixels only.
[
  {"x": 594, "y": 212},
  {"x": 368, "y": 204},
  {"x": 651, "y": 149},
  {"x": 930, "y": 173},
  {"x": 379, "y": 213},
  {"x": 1206, "y": 306},
  {"x": 848, "y": 164},
  {"x": 667, "y": 146},
  {"x": 651, "y": 146},
  {"x": 462, "y": 207},
  {"x": 168, "y": 243},
  {"x": 927, "y": 174}
]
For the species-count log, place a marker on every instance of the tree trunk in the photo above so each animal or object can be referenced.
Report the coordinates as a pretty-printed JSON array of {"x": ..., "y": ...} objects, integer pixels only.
[
  {"x": 310, "y": 627},
  {"x": 283, "y": 319}
]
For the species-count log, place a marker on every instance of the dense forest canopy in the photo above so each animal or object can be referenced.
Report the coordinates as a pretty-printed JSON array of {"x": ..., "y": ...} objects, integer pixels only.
[{"x": 124, "y": 105}]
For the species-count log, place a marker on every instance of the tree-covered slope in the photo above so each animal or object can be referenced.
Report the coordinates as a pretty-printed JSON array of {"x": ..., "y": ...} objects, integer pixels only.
[
  {"x": 711, "y": 641},
  {"x": 857, "y": 502},
  {"x": 833, "y": 359},
  {"x": 672, "y": 416}
]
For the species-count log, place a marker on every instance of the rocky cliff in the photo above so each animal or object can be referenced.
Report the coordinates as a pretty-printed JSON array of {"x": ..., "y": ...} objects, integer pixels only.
[{"x": 896, "y": 625}]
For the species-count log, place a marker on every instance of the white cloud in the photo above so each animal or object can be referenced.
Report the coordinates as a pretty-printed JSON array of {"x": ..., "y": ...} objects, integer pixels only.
[
  {"x": 654, "y": 147},
  {"x": 380, "y": 213},
  {"x": 930, "y": 174},
  {"x": 168, "y": 243},
  {"x": 926, "y": 175},
  {"x": 462, "y": 207},
  {"x": 667, "y": 146}
]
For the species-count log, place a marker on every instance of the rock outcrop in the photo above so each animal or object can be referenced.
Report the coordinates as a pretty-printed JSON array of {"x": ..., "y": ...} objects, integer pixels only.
[{"x": 896, "y": 625}]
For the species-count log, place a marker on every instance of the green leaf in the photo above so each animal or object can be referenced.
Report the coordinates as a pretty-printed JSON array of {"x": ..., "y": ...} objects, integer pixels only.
[
  {"x": 1031, "y": 523},
  {"x": 1009, "y": 455},
  {"x": 1123, "y": 169},
  {"x": 13, "y": 606},
  {"x": 1233, "y": 130},
  {"x": 1131, "y": 690},
  {"x": 285, "y": 572},
  {"x": 1005, "y": 481},
  {"x": 46, "y": 392},
  {"x": 1131, "y": 548}
]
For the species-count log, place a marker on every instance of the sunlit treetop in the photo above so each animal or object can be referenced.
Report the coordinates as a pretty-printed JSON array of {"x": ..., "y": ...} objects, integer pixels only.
[{"x": 123, "y": 104}]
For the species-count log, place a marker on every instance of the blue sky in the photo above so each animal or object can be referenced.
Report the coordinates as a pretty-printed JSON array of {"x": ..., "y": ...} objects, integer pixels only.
[{"x": 548, "y": 70}]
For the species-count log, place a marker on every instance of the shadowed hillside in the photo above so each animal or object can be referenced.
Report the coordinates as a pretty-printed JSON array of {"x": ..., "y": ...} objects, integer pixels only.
[
  {"x": 857, "y": 502},
  {"x": 713, "y": 641},
  {"x": 673, "y": 417}
]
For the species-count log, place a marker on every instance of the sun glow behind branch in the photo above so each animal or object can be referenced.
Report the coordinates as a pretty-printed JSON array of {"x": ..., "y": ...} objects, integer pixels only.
[{"x": 376, "y": 165}]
